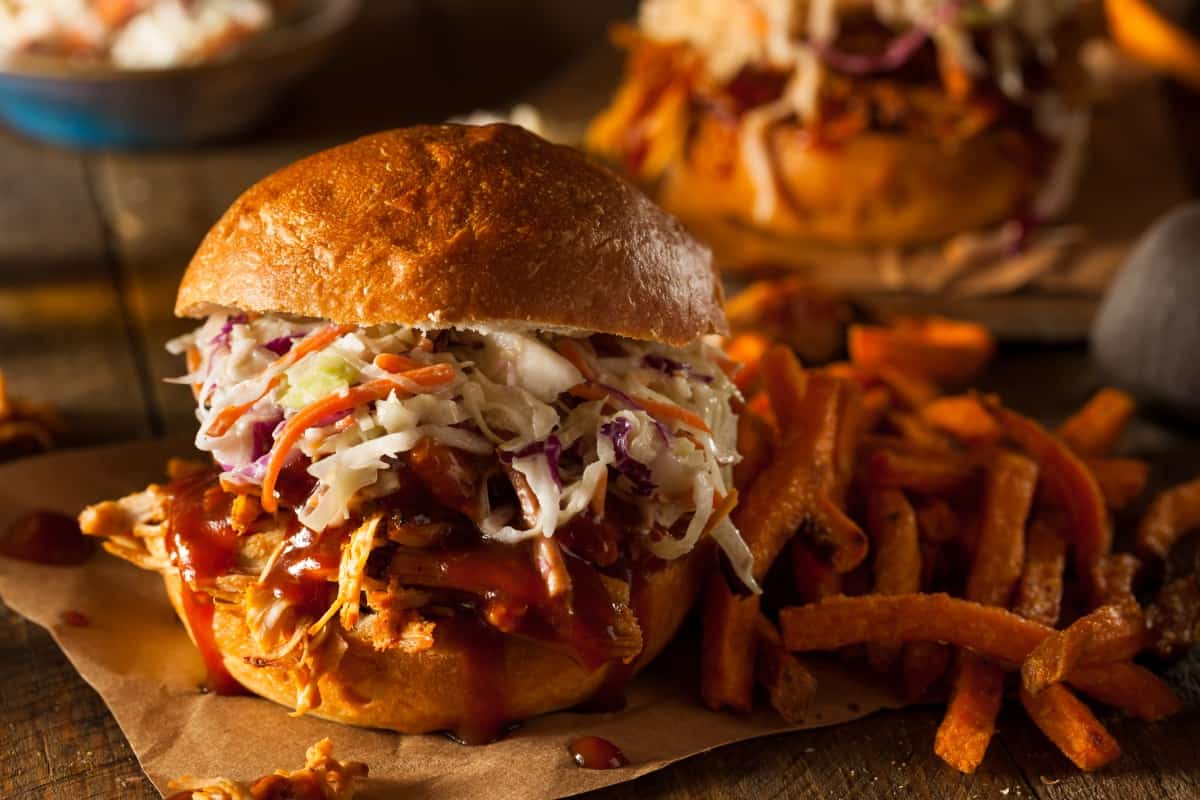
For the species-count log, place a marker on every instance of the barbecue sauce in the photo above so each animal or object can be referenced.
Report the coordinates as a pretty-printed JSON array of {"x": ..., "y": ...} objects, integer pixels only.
[
  {"x": 481, "y": 649},
  {"x": 592, "y": 752},
  {"x": 47, "y": 537},
  {"x": 201, "y": 545}
]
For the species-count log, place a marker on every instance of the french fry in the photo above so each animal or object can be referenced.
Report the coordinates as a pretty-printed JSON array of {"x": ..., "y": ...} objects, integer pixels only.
[
  {"x": 1113, "y": 578},
  {"x": 1121, "y": 480},
  {"x": 1067, "y": 482},
  {"x": 834, "y": 534},
  {"x": 1000, "y": 549},
  {"x": 789, "y": 684},
  {"x": 754, "y": 445},
  {"x": 1173, "y": 513},
  {"x": 747, "y": 349},
  {"x": 851, "y": 427},
  {"x": 814, "y": 578},
  {"x": 1113, "y": 633},
  {"x": 936, "y": 521},
  {"x": 727, "y": 655},
  {"x": 964, "y": 418},
  {"x": 1039, "y": 591},
  {"x": 1072, "y": 727},
  {"x": 910, "y": 390},
  {"x": 922, "y": 665},
  {"x": 837, "y": 622},
  {"x": 1127, "y": 686},
  {"x": 1095, "y": 428},
  {"x": 896, "y": 565},
  {"x": 913, "y": 428},
  {"x": 923, "y": 474},
  {"x": 876, "y": 402},
  {"x": 970, "y": 720},
  {"x": 1174, "y": 617},
  {"x": 942, "y": 350},
  {"x": 978, "y": 688}
]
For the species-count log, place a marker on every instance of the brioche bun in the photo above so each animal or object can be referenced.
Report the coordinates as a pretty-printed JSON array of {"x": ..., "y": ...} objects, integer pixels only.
[
  {"x": 430, "y": 690},
  {"x": 457, "y": 226},
  {"x": 873, "y": 189}
]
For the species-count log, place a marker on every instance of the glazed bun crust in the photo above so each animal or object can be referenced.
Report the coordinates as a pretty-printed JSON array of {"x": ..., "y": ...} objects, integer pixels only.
[
  {"x": 457, "y": 226},
  {"x": 431, "y": 690},
  {"x": 874, "y": 189}
]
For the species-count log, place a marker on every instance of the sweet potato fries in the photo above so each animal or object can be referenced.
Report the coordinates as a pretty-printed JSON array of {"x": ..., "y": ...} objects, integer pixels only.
[{"x": 941, "y": 540}]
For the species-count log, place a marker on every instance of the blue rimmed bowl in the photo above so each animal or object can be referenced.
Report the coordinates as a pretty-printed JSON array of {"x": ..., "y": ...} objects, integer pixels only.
[{"x": 94, "y": 106}]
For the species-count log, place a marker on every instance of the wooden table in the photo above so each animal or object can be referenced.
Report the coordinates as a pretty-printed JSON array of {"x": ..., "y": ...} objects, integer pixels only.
[{"x": 91, "y": 250}]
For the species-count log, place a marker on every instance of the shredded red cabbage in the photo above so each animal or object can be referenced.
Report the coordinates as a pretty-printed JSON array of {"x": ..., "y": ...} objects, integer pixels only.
[
  {"x": 631, "y": 403},
  {"x": 618, "y": 430},
  {"x": 283, "y": 344},
  {"x": 222, "y": 337},
  {"x": 550, "y": 447},
  {"x": 669, "y": 366},
  {"x": 262, "y": 436},
  {"x": 897, "y": 54}
]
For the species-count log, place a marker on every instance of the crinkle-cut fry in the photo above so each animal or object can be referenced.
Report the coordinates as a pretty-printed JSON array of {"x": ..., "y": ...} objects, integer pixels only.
[
  {"x": 837, "y": 622},
  {"x": 1071, "y": 725},
  {"x": 896, "y": 564},
  {"x": 966, "y": 730},
  {"x": 1095, "y": 428},
  {"x": 1129, "y": 687},
  {"x": 1113, "y": 578},
  {"x": 923, "y": 664},
  {"x": 927, "y": 474},
  {"x": 814, "y": 577},
  {"x": 1068, "y": 484},
  {"x": 1000, "y": 547},
  {"x": 728, "y": 652},
  {"x": 1114, "y": 633},
  {"x": 912, "y": 428},
  {"x": 943, "y": 350},
  {"x": 911, "y": 390},
  {"x": 1121, "y": 480},
  {"x": 1039, "y": 591},
  {"x": 789, "y": 684},
  {"x": 963, "y": 417},
  {"x": 755, "y": 446},
  {"x": 1170, "y": 516}
]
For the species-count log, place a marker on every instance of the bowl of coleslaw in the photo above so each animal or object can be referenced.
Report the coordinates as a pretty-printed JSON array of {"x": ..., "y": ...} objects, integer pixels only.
[{"x": 156, "y": 73}]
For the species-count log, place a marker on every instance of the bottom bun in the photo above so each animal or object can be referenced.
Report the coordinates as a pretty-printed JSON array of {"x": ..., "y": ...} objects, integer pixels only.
[
  {"x": 873, "y": 189},
  {"x": 438, "y": 689}
]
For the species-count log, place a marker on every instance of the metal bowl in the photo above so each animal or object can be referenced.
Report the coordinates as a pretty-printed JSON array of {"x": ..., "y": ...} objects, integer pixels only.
[{"x": 92, "y": 105}]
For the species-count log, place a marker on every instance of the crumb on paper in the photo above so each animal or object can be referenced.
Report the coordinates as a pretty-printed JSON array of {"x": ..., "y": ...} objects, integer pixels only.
[
  {"x": 26, "y": 427},
  {"x": 322, "y": 776}
]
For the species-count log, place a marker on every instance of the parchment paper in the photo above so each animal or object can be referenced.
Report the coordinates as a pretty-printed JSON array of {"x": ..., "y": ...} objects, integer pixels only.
[{"x": 137, "y": 656}]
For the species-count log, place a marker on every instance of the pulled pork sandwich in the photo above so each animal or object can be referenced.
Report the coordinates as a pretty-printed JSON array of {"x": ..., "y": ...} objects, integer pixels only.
[
  {"x": 471, "y": 450},
  {"x": 852, "y": 122}
]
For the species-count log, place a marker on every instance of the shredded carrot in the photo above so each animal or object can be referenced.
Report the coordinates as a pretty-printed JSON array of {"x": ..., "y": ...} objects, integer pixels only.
[
  {"x": 311, "y": 343},
  {"x": 393, "y": 362},
  {"x": 722, "y": 508},
  {"x": 355, "y": 396},
  {"x": 430, "y": 376},
  {"x": 574, "y": 352},
  {"x": 655, "y": 408}
]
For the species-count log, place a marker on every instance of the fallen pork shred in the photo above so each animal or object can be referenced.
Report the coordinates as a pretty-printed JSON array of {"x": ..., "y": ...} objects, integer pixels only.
[{"x": 323, "y": 776}]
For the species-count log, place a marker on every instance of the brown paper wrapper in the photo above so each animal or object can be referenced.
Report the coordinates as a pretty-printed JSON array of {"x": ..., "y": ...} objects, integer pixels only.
[{"x": 137, "y": 656}]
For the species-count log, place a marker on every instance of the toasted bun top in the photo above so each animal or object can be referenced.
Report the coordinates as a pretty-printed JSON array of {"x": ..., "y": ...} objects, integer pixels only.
[{"x": 457, "y": 226}]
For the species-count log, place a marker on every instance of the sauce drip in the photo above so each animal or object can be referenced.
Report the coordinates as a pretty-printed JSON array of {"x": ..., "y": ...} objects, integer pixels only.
[
  {"x": 76, "y": 619},
  {"x": 306, "y": 572},
  {"x": 47, "y": 537},
  {"x": 481, "y": 649},
  {"x": 201, "y": 544},
  {"x": 592, "y": 752}
]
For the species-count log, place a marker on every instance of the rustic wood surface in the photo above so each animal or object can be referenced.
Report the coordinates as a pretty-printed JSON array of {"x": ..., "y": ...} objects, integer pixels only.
[{"x": 91, "y": 249}]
